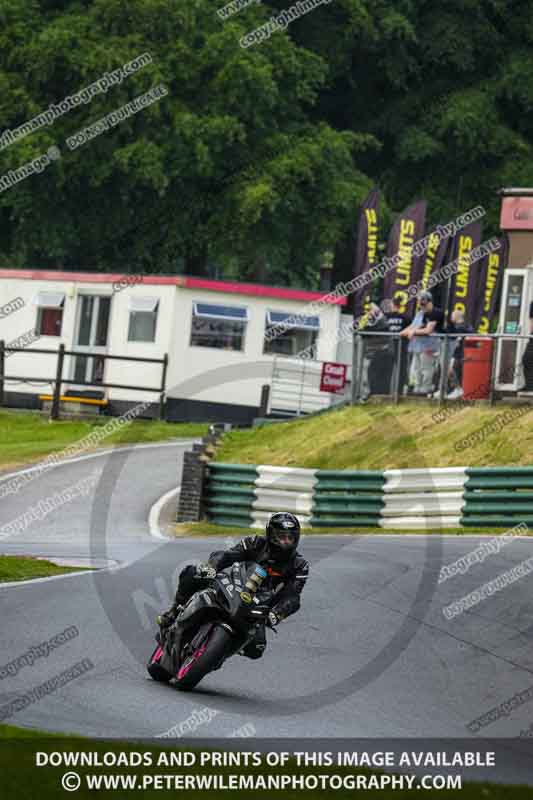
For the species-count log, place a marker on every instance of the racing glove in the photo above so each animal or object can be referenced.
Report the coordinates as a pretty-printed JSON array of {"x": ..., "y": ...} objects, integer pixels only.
[
  {"x": 168, "y": 618},
  {"x": 205, "y": 570}
]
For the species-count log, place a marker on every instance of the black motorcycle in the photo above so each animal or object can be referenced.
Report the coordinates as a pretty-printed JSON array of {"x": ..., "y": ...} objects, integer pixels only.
[{"x": 216, "y": 623}]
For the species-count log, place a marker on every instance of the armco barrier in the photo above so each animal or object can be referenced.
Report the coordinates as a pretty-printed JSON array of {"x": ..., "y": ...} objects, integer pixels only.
[
  {"x": 230, "y": 494},
  {"x": 498, "y": 496},
  {"x": 346, "y": 498},
  {"x": 418, "y": 499}
]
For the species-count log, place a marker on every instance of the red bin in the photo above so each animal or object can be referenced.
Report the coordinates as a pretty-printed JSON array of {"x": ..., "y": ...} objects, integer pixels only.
[{"x": 477, "y": 367}]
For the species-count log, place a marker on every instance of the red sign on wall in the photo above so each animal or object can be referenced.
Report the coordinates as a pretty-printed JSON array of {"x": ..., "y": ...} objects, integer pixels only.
[
  {"x": 517, "y": 214},
  {"x": 333, "y": 377}
]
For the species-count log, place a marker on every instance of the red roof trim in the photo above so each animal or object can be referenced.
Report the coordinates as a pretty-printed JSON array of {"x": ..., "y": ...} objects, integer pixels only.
[
  {"x": 233, "y": 287},
  {"x": 85, "y": 277},
  {"x": 259, "y": 290}
]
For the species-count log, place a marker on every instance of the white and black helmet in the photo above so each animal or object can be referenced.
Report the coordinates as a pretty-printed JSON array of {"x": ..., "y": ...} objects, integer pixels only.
[{"x": 282, "y": 535}]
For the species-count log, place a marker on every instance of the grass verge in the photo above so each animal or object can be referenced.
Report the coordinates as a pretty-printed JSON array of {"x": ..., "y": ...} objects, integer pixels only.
[
  {"x": 14, "y": 732},
  {"x": 206, "y": 529},
  {"x": 384, "y": 437},
  {"x": 29, "y": 437},
  {"x": 24, "y": 568}
]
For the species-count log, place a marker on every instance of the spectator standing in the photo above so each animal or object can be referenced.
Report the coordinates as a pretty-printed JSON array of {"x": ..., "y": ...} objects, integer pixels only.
[
  {"x": 457, "y": 325},
  {"x": 397, "y": 321},
  {"x": 424, "y": 344},
  {"x": 377, "y": 358}
]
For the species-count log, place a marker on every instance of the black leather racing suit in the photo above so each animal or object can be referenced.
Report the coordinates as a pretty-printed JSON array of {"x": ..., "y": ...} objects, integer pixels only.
[{"x": 285, "y": 578}]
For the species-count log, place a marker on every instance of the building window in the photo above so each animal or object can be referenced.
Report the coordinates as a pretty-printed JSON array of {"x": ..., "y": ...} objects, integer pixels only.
[
  {"x": 49, "y": 313},
  {"x": 223, "y": 327},
  {"x": 289, "y": 334},
  {"x": 143, "y": 319}
]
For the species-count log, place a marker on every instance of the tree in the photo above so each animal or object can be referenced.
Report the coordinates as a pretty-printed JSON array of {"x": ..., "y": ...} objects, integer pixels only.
[
  {"x": 445, "y": 89},
  {"x": 227, "y": 165},
  {"x": 255, "y": 162}
]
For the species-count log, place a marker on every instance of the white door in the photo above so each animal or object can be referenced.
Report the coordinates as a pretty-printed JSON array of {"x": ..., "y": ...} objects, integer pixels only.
[
  {"x": 92, "y": 329},
  {"x": 514, "y": 315}
]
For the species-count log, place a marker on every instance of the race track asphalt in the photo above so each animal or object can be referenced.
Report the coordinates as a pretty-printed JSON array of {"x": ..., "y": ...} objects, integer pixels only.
[{"x": 370, "y": 654}]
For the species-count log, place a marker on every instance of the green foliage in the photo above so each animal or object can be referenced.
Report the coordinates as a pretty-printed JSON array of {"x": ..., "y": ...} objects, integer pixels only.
[
  {"x": 255, "y": 162},
  {"x": 447, "y": 91},
  {"x": 228, "y": 165}
]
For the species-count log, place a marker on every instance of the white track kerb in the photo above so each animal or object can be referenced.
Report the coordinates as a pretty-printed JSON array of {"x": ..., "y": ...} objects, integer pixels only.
[
  {"x": 155, "y": 514},
  {"x": 283, "y": 487},
  {"x": 422, "y": 498}
]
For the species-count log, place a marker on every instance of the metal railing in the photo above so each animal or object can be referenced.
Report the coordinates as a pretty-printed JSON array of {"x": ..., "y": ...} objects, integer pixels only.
[
  {"x": 383, "y": 365},
  {"x": 60, "y": 379}
]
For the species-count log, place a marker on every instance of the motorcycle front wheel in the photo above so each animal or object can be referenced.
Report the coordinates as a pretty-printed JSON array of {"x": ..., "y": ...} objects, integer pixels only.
[
  {"x": 204, "y": 659},
  {"x": 156, "y": 672}
]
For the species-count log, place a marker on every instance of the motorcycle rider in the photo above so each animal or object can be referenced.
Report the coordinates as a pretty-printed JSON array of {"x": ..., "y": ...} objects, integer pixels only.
[{"x": 276, "y": 551}]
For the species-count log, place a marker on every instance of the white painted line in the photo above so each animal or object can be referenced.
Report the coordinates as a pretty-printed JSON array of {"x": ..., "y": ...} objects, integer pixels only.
[
  {"x": 155, "y": 511},
  {"x": 43, "y": 466}
]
